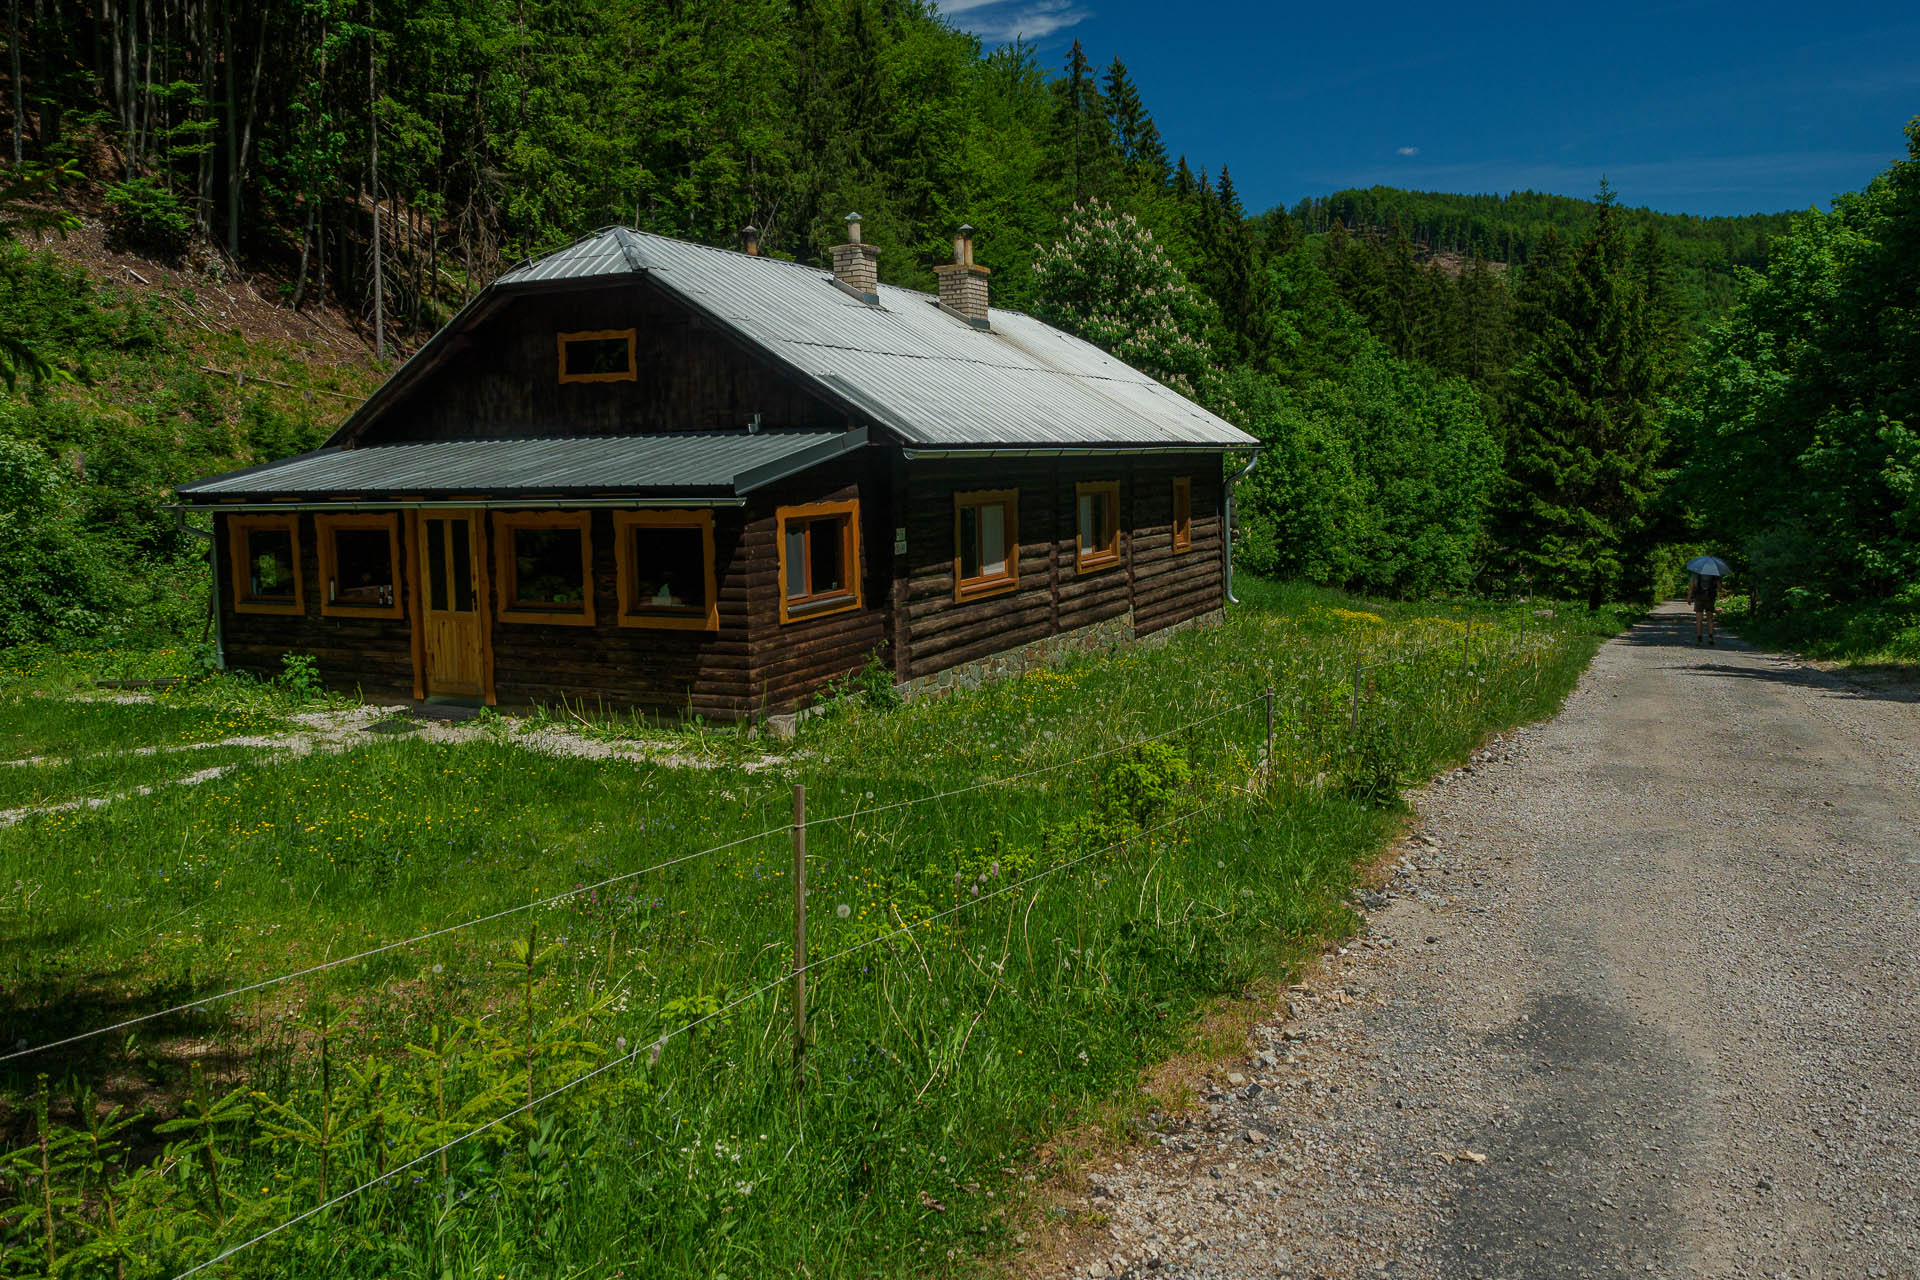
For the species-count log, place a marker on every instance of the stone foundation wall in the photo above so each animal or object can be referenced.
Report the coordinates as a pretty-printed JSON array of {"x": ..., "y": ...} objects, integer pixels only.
[{"x": 1212, "y": 618}]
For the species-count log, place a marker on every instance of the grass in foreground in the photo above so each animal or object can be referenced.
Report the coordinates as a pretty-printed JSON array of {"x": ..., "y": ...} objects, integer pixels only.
[{"x": 1007, "y": 958}]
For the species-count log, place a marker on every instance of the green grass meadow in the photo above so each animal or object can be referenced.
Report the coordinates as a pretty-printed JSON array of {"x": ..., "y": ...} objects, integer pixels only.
[
  {"x": 1873, "y": 635},
  {"x": 987, "y": 966}
]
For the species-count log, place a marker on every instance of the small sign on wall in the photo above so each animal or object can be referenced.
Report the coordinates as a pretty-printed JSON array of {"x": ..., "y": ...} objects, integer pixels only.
[{"x": 900, "y": 541}]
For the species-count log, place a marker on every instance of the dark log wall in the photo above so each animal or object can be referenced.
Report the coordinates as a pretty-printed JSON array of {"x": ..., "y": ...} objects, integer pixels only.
[
  {"x": 755, "y": 664},
  {"x": 501, "y": 377},
  {"x": 941, "y": 632},
  {"x": 1170, "y": 588},
  {"x": 1099, "y": 594},
  {"x": 793, "y": 661},
  {"x": 375, "y": 654},
  {"x": 687, "y": 672},
  {"x": 933, "y": 631}
]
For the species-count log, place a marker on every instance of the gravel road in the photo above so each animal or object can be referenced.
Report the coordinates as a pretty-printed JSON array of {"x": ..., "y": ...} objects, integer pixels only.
[{"x": 1637, "y": 998}]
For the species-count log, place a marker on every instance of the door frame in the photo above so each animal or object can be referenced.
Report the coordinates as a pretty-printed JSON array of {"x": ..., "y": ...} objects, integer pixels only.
[{"x": 482, "y": 591}]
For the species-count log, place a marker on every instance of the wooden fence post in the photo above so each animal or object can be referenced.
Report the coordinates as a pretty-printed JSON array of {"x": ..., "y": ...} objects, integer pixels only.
[
  {"x": 1269, "y": 734},
  {"x": 1353, "y": 715},
  {"x": 799, "y": 922}
]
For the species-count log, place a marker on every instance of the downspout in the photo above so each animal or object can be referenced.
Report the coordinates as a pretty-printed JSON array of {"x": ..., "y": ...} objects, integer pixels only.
[
  {"x": 1228, "y": 540},
  {"x": 213, "y": 586}
]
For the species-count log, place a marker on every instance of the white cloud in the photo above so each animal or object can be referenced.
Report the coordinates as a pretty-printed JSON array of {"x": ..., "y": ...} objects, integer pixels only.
[
  {"x": 1407, "y": 151},
  {"x": 1001, "y": 21}
]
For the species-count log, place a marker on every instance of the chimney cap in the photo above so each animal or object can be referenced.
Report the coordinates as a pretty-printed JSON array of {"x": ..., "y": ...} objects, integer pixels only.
[
  {"x": 966, "y": 230},
  {"x": 853, "y": 217}
]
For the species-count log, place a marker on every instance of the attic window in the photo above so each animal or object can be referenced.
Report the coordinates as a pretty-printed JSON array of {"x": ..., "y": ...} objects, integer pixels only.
[{"x": 597, "y": 355}]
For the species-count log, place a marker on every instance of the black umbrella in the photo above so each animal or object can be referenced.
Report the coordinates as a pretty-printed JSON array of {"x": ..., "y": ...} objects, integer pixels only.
[{"x": 1708, "y": 567}]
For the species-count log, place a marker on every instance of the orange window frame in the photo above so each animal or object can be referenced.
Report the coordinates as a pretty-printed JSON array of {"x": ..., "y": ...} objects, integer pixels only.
[
  {"x": 1108, "y": 555},
  {"x": 506, "y": 573},
  {"x": 240, "y": 530},
  {"x": 632, "y": 371},
  {"x": 845, "y": 517},
  {"x": 636, "y": 613},
  {"x": 986, "y": 584},
  {"x": 1182, "y": 514},
  {"x": 324, "y": 528}
]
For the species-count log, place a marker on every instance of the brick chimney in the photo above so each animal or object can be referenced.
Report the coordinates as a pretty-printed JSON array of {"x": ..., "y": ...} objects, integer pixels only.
[
  {"x": 750, "y": 240},
  {"x": 963, "y": 282},
  {"x": 856, "y": 265}
]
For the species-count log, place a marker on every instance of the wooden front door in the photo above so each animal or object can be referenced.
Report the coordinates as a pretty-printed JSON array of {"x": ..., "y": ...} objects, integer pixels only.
[{"x": 452, "y": 606}]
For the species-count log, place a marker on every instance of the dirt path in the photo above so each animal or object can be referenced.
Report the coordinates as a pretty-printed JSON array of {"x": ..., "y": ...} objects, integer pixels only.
[
  {"x": 332, "y": 732},
  {"x": 1639, "y": 999}
]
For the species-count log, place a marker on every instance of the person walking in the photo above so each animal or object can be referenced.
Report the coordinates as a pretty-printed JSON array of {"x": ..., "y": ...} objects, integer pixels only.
[{"x": 1703, "y": 593}]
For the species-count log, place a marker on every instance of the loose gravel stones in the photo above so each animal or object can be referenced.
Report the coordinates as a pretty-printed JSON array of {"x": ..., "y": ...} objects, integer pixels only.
[{"x": 1660, "y": 1023}]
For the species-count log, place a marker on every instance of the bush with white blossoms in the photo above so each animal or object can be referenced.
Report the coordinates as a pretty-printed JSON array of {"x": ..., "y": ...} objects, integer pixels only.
[{"x": 1109, "y": 281}]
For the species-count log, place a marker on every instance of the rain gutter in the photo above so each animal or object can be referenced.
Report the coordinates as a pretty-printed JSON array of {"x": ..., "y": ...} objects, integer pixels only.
[
  {"x": 448, "y": 504},
  {"x": 1073, "y": 451},
  {"x": 1228, "y": 540},
  {"x": 213, "y": 584}
]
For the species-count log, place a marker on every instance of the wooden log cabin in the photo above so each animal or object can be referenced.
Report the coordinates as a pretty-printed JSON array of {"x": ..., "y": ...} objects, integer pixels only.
[{"x": 649, "y": 473}]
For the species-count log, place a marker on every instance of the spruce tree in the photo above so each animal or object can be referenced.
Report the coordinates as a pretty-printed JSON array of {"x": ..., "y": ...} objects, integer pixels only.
[
  {"x": 1486, "y": 327},
  {"x": 1662, "y": 316},
  {"x": 1584, "y": 439},
  {"x": 1229, "y": 270},
  {"x": 1081, "y": 128},
  {"x": 1230, "y": 207},
  {"x": 1135, "y": 137},
  {"x": 1184, "y": 186}
]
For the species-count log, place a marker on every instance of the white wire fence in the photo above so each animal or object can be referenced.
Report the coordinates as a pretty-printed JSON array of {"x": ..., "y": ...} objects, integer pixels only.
[
  {"x": 653, "y": 1046},
  {"x": 1360, "y": 667},
  {"x": 801, "y": 967},
  {"x": 583, "y": 890}
]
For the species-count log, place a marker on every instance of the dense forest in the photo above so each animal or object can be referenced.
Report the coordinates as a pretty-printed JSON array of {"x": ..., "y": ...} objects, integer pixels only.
[
  {"x": 1797, "y": 428},
  {"x": 1458, "y": 392},
  {"x": 1706, "y": 252}
]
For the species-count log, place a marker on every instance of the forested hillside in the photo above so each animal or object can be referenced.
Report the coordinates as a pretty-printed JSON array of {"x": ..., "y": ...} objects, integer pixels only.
[
  {"x": 1798, "y": 426},
  {"x": 1510, "y": 229},
  {"x": 1457, "y": 392}
]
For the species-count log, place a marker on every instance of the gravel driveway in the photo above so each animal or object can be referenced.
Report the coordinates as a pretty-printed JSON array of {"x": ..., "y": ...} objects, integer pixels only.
[{"x": 1638, "y": 998}]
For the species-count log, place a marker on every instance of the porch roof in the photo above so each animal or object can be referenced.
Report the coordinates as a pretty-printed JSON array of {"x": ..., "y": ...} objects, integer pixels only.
[{"x": 689, "y": 464}]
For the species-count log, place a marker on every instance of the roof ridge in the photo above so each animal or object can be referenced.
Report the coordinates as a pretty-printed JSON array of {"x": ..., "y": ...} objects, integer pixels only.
[{"x": 1139, "y": 380}]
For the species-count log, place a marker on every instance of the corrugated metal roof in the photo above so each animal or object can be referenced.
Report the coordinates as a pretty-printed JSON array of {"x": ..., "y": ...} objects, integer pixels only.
[
  {"x": 929, "y": 377},
  {"x": 693, "y": 462}
]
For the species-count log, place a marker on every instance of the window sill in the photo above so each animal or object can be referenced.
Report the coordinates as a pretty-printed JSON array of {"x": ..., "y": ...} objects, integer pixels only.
[
  {"x": 981, "y": 588},
  {"x": 583, "y": 619},
  {"x": 709, "y": 621},
  {"x": 286, "y": 609},
  {"x": 808, "y": 610},
  {"x": 362, "y": 611},
  {"x": 1097, "y": 563}
]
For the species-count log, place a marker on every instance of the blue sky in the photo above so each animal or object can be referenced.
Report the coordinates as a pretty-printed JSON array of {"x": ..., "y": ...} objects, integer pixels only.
[{"x": 1709, "y": 108}]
